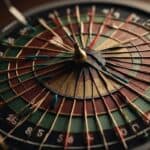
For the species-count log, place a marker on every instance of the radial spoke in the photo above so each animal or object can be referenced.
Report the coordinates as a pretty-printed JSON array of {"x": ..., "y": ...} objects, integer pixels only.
[
  {"x": 32, "y": 102},
  {"x": 100, "y": 128},
  {"x": 133, "y": 106},
  {"x": 20, "y": 94},
  {"x": 38, "y": 123},
  {"x": 56, "y": 19},
  {"x": 127, "y": 68},
  {"x": 128, "y": 19},
  {"x": 116, "y": 127},
  {"x": 112, "y": 50},
  {"x": 57, "y": 115},
  {"x": 128, "y": 75},
  {"x": 34, "y": 48},
  {"x": 125, "y": 117},
  {"x": 17, "y": 14},
  {"x": 117, "y": 29},
  {"x": 125, "y": 52},
  {"x": 132, "y": 63},
  {"x": 86, "y": 115},
  {"x": 127, "y": 57},
  {"x": 11, "y": 78},
  {"x": 71, "y": 26},
  {"x": 100, "y": 30},
  {"x": 53, "y": 41},
  {"x": 81, "y": 25},
  {"x": 72, "y": 111},
  {"x": 52, "y": 126},
  {"x": 91, "y": 15},
  {"x": 146, "y": 98},
  {"x": 143, "y": 115},
  {"x": 31, "y": 57},
  {"x": 15, "y": 69},
  {"x": 38, "y": 104},
  {"x": 59, "y": 39}
]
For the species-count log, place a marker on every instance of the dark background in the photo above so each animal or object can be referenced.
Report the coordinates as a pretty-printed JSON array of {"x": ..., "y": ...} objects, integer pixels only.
[{"x": 22, "y": 5}]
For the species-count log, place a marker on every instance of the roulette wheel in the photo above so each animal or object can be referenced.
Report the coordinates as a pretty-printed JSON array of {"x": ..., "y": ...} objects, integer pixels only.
[{"x": 76, "y": 75}]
